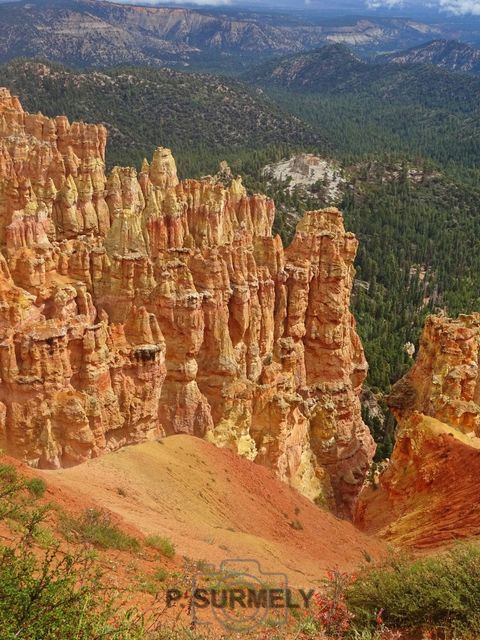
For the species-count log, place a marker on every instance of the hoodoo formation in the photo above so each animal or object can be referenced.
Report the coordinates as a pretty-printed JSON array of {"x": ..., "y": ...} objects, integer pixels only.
[
  {"x": 135, "y": 306},
  {"x": 429, "y": 494}
]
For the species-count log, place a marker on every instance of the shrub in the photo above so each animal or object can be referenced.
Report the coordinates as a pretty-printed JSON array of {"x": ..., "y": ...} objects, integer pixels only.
[
  {"x": 164, "y": 545},
  {"x": 44, "y": 537},
  {"x": 330, "y": 608},
  {"x": 8, "y": 477},
  {"x": 56, "y": 596},
  {"x": 181, "y": 633},
  {"x": 37, "y": 487},
  {"x": 50, "y": 594},
  {"x": 97, "y": 528},
  {"x": 147, "y": 585},
  {"x": 161, "y": 574},
  {"x": 307, "y": 627},
  {"x": 437, "y": 591}
]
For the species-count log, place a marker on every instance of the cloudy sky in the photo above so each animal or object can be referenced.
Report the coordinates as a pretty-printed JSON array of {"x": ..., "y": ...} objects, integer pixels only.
[
  {"x": 455, "y": 7},
  {"x": 459, "y": 7}
]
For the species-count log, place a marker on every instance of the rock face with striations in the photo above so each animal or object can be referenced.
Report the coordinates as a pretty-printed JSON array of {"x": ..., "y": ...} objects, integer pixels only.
[
  {"x": 429, "y": 493},
  {"x": 135, "y": 306}
]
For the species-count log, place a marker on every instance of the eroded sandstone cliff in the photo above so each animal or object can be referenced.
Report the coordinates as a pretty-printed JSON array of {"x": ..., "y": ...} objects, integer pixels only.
[
  {"x": 134, "y": 306},
  {"x": 429, "y": 493}
]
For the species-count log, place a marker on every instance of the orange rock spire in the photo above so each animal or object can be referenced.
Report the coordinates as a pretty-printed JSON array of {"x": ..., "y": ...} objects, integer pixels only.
[
  {"x": 429, "y": 494},
  {"x": 136, "y": 306}
]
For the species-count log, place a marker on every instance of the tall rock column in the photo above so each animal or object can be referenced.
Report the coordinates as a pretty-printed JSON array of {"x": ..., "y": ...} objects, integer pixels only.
[
  {"x": 320, "y": 266},
  {"x": 136, "y": 305}
]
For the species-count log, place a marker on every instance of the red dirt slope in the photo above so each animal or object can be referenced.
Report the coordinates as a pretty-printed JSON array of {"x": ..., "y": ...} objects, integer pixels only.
[
  {"x": 430, "y": 495},
  {"x": 215, "y": 505}
]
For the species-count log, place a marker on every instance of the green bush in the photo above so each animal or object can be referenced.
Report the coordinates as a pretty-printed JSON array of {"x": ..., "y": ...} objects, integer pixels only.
[
  {"x": 97, "y": 528},
  {"x": 16, "y": 494},
  {"x": 44, "y": 537},
  {"x": 307, "y": 627},
  {"x": 49, "y": 594},
  {"x": 161, "y": 574},
  {"x": 37, "y": 487},
  {"x": 440, "y": 591},
  {"x": 8, "y": 477},
  {"x": 164, "y": 545},
  {"x": 56, "y": 596}
]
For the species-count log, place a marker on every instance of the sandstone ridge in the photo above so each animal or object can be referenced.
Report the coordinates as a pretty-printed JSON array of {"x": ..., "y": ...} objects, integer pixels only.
[
  {"x": 136, "y": 305},
  {"x": 429, "y": 494}
]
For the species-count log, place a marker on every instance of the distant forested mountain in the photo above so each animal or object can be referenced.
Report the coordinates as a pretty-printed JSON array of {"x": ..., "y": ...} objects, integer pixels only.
[
  {"x": 447, "y": 54},
  {"x": 203, "y": 118}
]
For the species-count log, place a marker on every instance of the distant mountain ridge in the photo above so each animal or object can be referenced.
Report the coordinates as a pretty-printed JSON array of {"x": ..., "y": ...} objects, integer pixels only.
[
  {"x": 336, "y": 69},
  {"x": 447, "y": 54},
  {"x": 312, "y": 70},
  {"x": 430, "y": 110},
  {"x": 94, "y": 33}
]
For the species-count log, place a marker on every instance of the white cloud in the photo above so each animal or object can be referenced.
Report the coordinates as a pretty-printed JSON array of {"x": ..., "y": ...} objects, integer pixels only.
[
  {"x": 206, "y": 3},
  {"x": 389, "y": 4},
  {"x": 461, "y": 7},
  {"x": 457, "y": 7}
]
